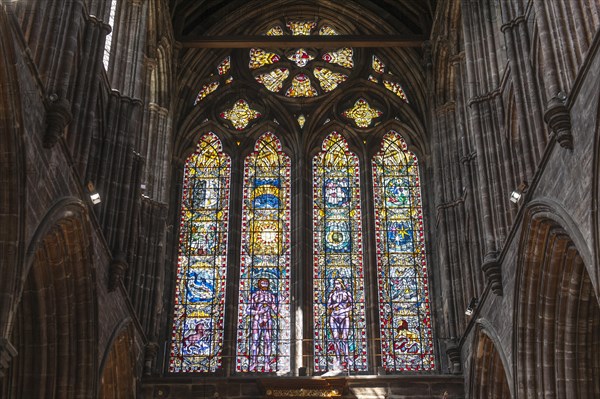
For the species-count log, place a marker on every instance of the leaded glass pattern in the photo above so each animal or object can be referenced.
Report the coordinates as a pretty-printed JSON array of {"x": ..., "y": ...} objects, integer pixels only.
[
  {"x": 260, "y": 57},
  {"x": 339, "y": 307},
  {"x": 206, "y": 90},
  {"x": 329, "y": 80},
  {"x": 301, "y": 87},
  {"x": 301, "y": 28},
  {"x": 301, "y": 57},
  {"x": 273, "y": 80},
  {"x": 240, "y": 114},
  {"x": 406, "y": 337},
  {"x": 197, "y": 337},
  {"x": 343, "y": 57},
  {"x": 362, "y": 113},
  {"x": 377, "y": 65},
  {"x": 275, "y": 31},
  {"x": 395, "y": 88},
  {"x": 224, "y": 66},
  {"x": 263, "y": 339},
  {"x": 327, "y": 30}
]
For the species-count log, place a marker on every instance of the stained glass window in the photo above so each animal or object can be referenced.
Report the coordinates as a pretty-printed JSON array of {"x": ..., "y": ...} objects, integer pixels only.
[
  {"x": 327, "y": 30},
  {"x": 197, "y": 338},
  {"x": 301, "y": 28},
  {"x": 341, "y": 57},
  {"x": 263, "y": 339},
  {"x": 377, "y": 65},
  {"x": 395, "y": 88},
  {"x": 406, "y": 339},
  {"x": 329, "y": 80},
  {"x": 224, "y": 66},
  {"x": 301, "y": 87},
  {"x": 206, "y": 90},
  {"x": 259, "y": 58},
  {"x": 273, "y": 80},
  {"x": 275, "y": 31},
  {"x": 340, "y": 341},
  {"x": 240, "y": 114},
  {"x": 361, "y": 113},
  {"x": 301, "y": 57}
]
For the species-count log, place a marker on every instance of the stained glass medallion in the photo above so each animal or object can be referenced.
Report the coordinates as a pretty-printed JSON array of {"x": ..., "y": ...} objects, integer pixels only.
[
  {"x": 395, "y": 88},
  {"x": 329, "y": 80},
  {"x": 342, "y": 57},
  {"x": 301, "y": 121},
  {"x": 362, "y": 113},
  {"x": 300, "y": 57},
  {"x": 301, "y": 28},
  {"x": 263, "y": 339},
  {"x": 206, "y": 90},
  {"x": 339, "y": 308},
  {"x": 197, "y": 338},
  {"x": 240, "y": 114},
  {"x": 273, "y": 80},
  {"x": 260, "y": 57},
  {"x": 404, "y": 307},
  {"x": 301, "y": 87}
]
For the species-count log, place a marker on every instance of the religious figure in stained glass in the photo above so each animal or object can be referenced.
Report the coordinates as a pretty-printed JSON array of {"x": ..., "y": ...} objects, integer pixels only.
[
  {"x": 339, "y": 308},
  {"x": 406, "y": 338},
  {"x": 197, "y": 338},
  {"x": 263, "y": 340}
]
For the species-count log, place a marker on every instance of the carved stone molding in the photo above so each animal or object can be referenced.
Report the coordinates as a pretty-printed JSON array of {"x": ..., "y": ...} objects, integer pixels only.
[
  {"x": 150, "y": 352},
  {"x": 492, "y": 269},
  {"x": 7, "y": 353},
  {"x": 558, "y": 118},
  {"x": 118, "y": 267},
  {"x": 58, "y": 116},
  {"x": 453, "y": 352}
]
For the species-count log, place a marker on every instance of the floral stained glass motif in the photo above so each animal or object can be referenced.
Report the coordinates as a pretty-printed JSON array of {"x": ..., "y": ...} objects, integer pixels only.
[
  {"x": 301, "y": 87},
  {"x": 301, "y": 57},
  {"x": 259, "y": 58},
  {"x": 224, "y": 66},
  {"x": 377, "y": 65},
  {"x": 362, "y": 113},
  {"x": 197, "y": 338},
  {"x": 339, "y": 301},
  {"x": 263, "y": 339},
  {"x": 206, "y": 90},
  {"x": 301, "y": 28},
  {"x": 275, "y": 31},
  {"x": 404, "y": 307},
  {"x": 240, "y": 114},
  {"x": 329, "y": 80},
  {"x": 327, "y": 30},
  {"x": 395, "y": 88},
  {"x": 274, "y": 79},
  {"x": 341, "y": 57}
]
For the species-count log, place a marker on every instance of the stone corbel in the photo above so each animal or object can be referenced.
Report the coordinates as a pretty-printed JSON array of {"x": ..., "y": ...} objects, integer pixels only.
[
  {"x": 558, "y": 118},
  {"x": 150, "y": 352},
  {"x": 58, "y": 117},
  {"x": 118, "y": 266},
  {"x": 7, "y": 353},
  {"x": 492, "y": 269},
  {"x": 453, "y": 352}
]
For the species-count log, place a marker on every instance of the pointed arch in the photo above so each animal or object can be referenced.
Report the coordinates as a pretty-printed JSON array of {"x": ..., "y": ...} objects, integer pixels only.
[
  {"x": 197, "y": 337},
  {"x": 489, "y": 377},
  {"x": 263, "y": 334},
  {"x": 404, "y": 307},
  {"x": 338, "y": 279}
]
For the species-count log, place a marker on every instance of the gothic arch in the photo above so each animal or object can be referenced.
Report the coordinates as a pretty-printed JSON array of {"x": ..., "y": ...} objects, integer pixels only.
[
  {"x": 557, "y": 314},
  {"x": 118, "y": 369},
  {"x": 490, "y": 374},
  {"x": 54, "y": 329}
]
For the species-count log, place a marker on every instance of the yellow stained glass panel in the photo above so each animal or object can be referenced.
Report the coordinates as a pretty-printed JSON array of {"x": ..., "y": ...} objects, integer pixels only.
[
  {"x": 259, "y": 58},
  {"x": 240, "y": 114},
  {"x": 329, "y": 80},
  {"x": 343, "y": 57},
  {"x": 205, "y": 91},
  {"x": 362, "y": 113},
  {"x": 395, "y": 88},
  {"x": 301, "y": 28},
  {"x": 274, "y": 79},
  {"x": 301, "y": 87}
]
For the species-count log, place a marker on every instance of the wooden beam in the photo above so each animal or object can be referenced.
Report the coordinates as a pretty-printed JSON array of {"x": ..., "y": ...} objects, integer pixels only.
[{"x": 302, "y": 41}]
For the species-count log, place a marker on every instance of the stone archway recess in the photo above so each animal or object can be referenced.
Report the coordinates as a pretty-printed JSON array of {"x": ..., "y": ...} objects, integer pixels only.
[{"x": 557, "y": 317}]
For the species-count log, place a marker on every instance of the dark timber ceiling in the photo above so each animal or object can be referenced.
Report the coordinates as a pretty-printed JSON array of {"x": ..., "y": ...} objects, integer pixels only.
[{"x": 195, "y": 18}]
